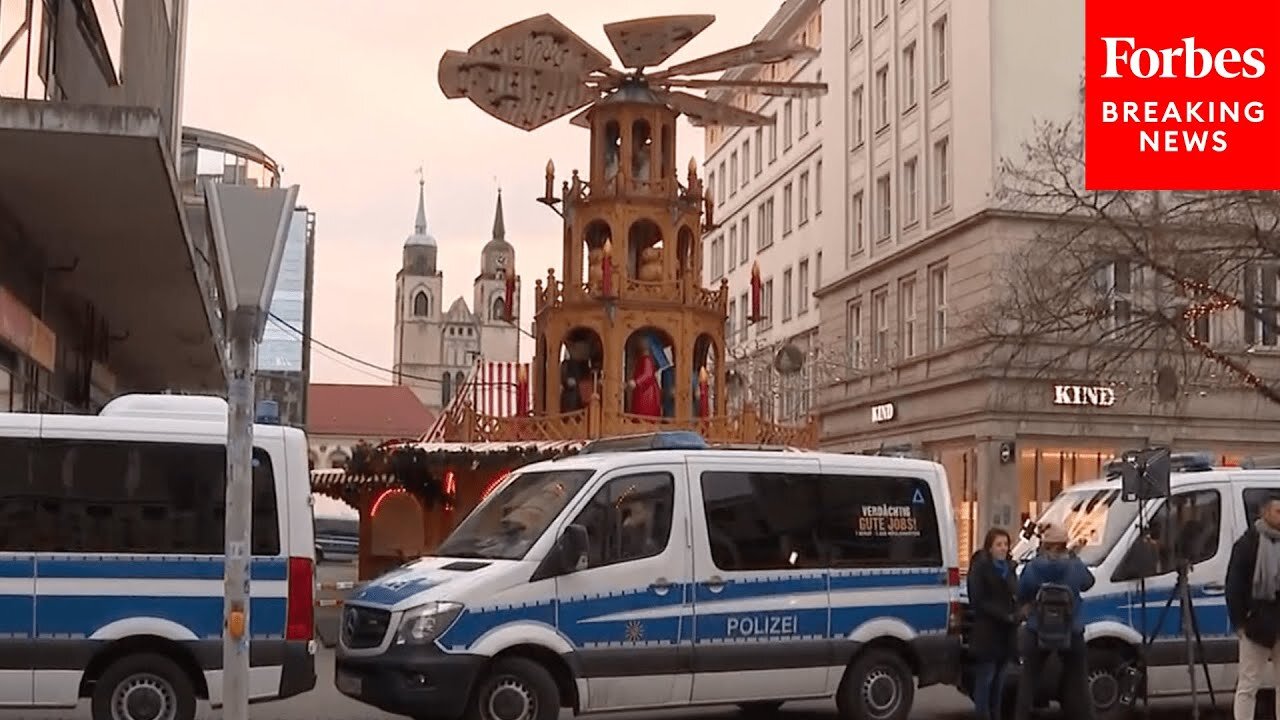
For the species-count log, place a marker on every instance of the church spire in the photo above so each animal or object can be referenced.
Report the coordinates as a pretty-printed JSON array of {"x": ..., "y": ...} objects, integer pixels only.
[
  {"x": 420, "y": 223},
  {"x": 499, "y": 224}
]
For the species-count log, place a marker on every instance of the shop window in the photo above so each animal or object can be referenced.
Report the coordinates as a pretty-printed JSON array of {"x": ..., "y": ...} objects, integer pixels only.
[
  {"x": 629, "y": 519},
  {"x": 1184, "y": 529}
]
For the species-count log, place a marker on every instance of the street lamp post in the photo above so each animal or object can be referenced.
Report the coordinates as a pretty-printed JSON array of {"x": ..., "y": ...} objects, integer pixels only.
[{"x": 248, "y": 226}]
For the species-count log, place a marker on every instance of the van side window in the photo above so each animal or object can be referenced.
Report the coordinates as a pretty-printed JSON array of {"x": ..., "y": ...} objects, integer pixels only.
[
  {"x": 762, "y": 520},
  {"x": 870, "y": 521},
  {"x": 17, "y": 504},
  {"x": 1184, "y": 528},
  {"x": 629, "y": 518},
  {"x": 1253, "y": 500},
  {"x": 142, "y": 497}
]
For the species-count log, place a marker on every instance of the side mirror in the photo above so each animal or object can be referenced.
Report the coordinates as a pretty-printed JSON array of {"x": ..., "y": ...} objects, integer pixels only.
[{"x": 571, "y": 548}]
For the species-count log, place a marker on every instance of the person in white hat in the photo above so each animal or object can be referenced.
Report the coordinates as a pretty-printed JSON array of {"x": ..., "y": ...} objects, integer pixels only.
[{"x": 1050, "y": 587}]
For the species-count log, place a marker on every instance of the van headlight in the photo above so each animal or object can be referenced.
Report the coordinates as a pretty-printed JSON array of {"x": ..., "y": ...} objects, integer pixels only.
[{"x": 424, "y": 623}]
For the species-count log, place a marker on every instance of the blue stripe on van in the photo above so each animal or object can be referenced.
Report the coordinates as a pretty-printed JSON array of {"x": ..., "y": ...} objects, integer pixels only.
[
  {"x": 157, "y": 568},
  {"x": 81, "y": 616},
  {"x": 11, "y": 567},
  {"x": 16, "y": 612}
]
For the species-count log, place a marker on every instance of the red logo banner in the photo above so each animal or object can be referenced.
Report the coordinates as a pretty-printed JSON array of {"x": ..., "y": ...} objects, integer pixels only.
[{"x": 1182, "y": 95}]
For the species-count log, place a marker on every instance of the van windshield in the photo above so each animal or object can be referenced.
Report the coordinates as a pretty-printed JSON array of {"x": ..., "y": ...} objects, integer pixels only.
[
  {"x": 508, "y": 522},
  {"x": 1100, "y": 517}
]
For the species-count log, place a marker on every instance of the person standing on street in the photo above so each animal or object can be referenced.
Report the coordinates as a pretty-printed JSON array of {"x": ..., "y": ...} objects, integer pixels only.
[
  {"x": 1049, "y": 589},
  {"x": 1253, "y": 605},
  {"x": 993, "y": 589}
]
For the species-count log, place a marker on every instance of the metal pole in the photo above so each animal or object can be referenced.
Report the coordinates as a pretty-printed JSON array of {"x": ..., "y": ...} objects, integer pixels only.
[{"x": 235, "y": 636}]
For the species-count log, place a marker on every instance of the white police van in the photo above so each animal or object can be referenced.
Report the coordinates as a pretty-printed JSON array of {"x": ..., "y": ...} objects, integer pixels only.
[
  {"x": 111, "y": 553},
  {"x": 656, "y": 571},
  {"x": 1208, "y": 509}
]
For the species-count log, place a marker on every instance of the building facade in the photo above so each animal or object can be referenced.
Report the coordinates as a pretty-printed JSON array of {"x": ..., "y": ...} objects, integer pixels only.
[
  {"x": 766, "y": 184},
  {"x": 101, "y": 288},
  {"x": 436, "y": 347},
  {"x": 284, "y": 356},
  {"x": 935, "y": 94}
]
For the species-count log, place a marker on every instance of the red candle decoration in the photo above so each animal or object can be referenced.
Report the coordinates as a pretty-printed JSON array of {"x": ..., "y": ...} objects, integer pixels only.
[
  {"x": 509, "y": 299},
  {"x": 755, "y": 291},
  {"x": 704, "y": 393},
  {"x": 606, "y": 269},
  {"x": 522, "y": 391}
]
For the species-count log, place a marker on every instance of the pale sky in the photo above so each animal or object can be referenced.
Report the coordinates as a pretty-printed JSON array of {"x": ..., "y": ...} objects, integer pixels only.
[{"x": 344, "y": 96}]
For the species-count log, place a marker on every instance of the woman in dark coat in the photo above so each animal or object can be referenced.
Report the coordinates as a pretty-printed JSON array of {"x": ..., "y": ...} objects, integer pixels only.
[{"x": 993, "y": 584}]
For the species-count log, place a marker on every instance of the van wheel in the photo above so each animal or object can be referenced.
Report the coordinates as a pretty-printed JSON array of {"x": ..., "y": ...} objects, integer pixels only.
[
  {"x": 1106, "y": 682},
  {"x": 878, "y": 685},
  {"x": 143, "y": 687},
  {"x": 760, "y": 709},
  {"x": 516, "y": 688}
]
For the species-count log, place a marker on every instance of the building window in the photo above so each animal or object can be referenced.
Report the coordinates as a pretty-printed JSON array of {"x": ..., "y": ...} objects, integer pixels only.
[
  {"x": 759, "y": 160},
  {"x": 910, "y": 201},
  {"x": 744, "y": 250},
  {"x": 1260, "y": 301},
  {"x": 817, "y": 269},
  {"x": 787, "y": 109},
  {"x": 744, "y": 321},
  {"x": 773, "y": 139},
  {"x": 711, "y": 181},
  {"x": 733, "y": 173},
  {"x": 857, "y": 115},
  {"x": 937, "y": 306},
  {"x": 882, "y": 10},
  {"x": 882, "y": 98},
  {"x": 857, "y": 218},
  {"x": 746, "y": 160},
  {"x": 786, "y": 209},
  {"x": 907, "y": 316},
  {"x": 942, "y": 174},
  {"x": 733, "y": 246},
  {"x": 802, "y": 198},
  {"x": 717, "y": 257},
  {"x": 1113, "y": 283},
  {"x": 941, "y": 53},
  {"x": 880, "y": 324},
  {"x": 802, "y": 296},
  {"x": 853, "y": 335},
  {"x": 421, "y": 304},
  {"x": 908, "y": 77},
  {"x": 804, "y": 116},
  {"x": 817, "y": 189},
  {"x": 730, "y": 319},
  {"x": 764, "y": 225},
  {"x": 855, "y": 21},
  {"x": 787, "y": 287},
  {"x": 766, "y": 303},
  {"x": 817, "y": 105},
  {"x": 720, "y": 182},
  {"x": 884, "y": 203}
]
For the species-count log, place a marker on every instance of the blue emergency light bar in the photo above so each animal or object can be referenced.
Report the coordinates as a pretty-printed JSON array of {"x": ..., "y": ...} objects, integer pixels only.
[{"x": 671, "y": 440}]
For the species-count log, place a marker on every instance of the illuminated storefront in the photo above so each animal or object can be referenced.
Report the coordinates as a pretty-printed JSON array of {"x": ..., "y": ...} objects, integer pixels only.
[{"x": 1007, "y": 461}]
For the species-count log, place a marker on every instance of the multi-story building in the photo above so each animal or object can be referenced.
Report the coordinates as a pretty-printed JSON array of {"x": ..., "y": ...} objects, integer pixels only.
[
  {"x": 766, "y": 184},
  {"x": 934, "y": 95},
  {"x": 284, "y": 356},
  {"x": 101, "y": 289}
]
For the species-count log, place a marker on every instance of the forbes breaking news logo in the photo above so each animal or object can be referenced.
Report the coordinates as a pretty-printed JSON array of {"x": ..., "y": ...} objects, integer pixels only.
[{"x": 1176, "y": 98}]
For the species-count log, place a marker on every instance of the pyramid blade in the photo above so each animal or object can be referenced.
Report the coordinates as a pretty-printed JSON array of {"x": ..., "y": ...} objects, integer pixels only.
[
  {"x": 755, "y": 87},
  {"x": 544, "y": 42},
  {"x": 760, "y": 52},
  {"x": 582, "y": 119},
  {"x": 650, "y": 41},
  {"x": 703, "y": 112},
  {"x": 515, "y": 93}
]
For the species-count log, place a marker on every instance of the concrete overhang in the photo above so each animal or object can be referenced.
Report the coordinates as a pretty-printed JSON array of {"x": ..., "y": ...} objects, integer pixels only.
[{"x": 95, "y": 189}]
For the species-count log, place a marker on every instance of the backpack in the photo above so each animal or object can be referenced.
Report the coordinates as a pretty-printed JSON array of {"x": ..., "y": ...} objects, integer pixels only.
[{"x": 1054, "y": 613}]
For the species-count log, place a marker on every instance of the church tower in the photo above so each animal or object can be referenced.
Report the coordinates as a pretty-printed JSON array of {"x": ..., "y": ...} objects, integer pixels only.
[
  {"x": 499, "y": 330},
  {"x": 419, "y": 314}
]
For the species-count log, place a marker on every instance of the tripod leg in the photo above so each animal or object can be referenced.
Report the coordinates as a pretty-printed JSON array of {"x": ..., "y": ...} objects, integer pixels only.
[{"x": 1199, "y": 646}]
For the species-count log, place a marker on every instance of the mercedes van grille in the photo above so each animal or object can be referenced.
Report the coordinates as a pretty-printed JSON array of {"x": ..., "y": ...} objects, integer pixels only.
[{"x": 364, "y": 628}]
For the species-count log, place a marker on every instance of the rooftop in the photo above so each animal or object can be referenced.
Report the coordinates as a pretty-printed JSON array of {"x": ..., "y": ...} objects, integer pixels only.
[{"x": 368, "y": 412}]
